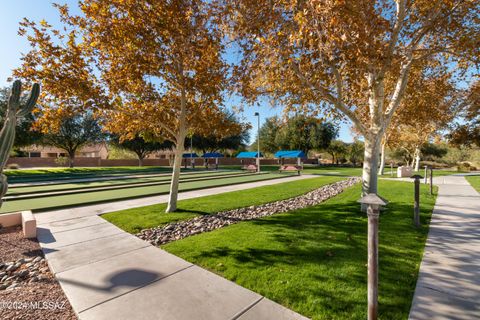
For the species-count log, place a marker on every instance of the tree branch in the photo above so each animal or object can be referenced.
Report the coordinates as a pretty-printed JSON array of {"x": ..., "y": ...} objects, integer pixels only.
[
  {"x": 399, "y": 20},
  {"x": 330, "y": 97},
  {"x": 399, "y": 90}
]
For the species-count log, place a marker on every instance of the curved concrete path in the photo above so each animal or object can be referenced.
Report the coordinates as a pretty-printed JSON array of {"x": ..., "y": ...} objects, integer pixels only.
[
  {"x": 107, "y": 273},
  {"x": 448, "y": 286}
]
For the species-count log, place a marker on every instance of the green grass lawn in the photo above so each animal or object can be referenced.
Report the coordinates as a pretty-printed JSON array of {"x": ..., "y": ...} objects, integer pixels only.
[
  {"x": 474, "y": 181},
  {"x": 58, "y": 201},
  {"x": 134, "y": 220},
  {"x": 314, "y": 260}
]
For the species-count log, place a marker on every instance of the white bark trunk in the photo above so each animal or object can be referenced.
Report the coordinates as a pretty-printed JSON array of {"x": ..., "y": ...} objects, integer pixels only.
[
  {"x": 177, "y": 164},
  {"x": 417, "y": 159},
  {"x": 370, "y": 164},
  {"x": 382, "y": 160},
  {"x": 179, "y": 149}
]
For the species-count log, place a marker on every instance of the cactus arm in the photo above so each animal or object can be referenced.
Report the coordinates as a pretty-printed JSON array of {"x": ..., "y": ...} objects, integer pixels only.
[
  {"x": 14, "y": 100},
  {"x": 3, "y": 187},
  {"x": 7, "y": 133},
  {"x": 32, "y": 100}
]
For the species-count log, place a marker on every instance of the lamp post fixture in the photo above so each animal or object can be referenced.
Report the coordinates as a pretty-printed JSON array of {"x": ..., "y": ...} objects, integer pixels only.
[
  {"x": 258, "y": 140},
  {"x": 373, "y": 203},
  {"x": 192, "y": 160},
  {"x": 416, "y": 206}
]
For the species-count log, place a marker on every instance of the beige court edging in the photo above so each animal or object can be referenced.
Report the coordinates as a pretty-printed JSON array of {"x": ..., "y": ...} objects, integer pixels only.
[{"x": 23, "y": 218}]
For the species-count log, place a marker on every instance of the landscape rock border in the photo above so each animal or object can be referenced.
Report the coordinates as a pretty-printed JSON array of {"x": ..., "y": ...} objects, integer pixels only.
[
  {"x": 182, "y": 229},
  {"x": 24, "y": 270}
]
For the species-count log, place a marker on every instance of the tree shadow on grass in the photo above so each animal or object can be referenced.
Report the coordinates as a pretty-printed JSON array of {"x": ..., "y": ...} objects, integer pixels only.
[{"x": 203, "y": 213}]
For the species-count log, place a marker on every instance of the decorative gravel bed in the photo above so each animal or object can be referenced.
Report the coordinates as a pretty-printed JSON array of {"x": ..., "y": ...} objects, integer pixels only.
[
  {"x": 179, "y": 230},
  {"x": 28, "y": 290}
]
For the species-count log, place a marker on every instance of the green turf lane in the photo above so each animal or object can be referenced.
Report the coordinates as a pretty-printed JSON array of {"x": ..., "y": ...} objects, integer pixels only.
[
  {"x": 57, "y": 201},
  {"x": 114, "y": 182},
  {"x": 37, "y": 175}
]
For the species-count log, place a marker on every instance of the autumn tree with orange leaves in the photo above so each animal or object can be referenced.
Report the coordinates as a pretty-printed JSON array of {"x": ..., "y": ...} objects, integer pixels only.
[
  {"x": 158, "y": 68},
  {"x": 468, "y": 133},
  {"x": 350, "y": 59},
  {"x": 430, "y": 103}
]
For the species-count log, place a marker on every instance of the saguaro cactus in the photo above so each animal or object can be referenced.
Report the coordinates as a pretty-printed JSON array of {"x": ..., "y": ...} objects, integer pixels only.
[{"x": 15, "y": 110}]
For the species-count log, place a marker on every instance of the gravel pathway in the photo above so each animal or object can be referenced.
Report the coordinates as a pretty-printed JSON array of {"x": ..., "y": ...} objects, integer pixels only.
[{"x": 179, "y": 230}]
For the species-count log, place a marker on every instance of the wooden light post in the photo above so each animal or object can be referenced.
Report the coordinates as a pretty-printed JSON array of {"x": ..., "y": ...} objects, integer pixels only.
[
  {"x": 258, "y": 140},
  {"x": 416, "y": 206},
  {"x": 431, "y": 180},
  {"x": 373, "y": 203}
]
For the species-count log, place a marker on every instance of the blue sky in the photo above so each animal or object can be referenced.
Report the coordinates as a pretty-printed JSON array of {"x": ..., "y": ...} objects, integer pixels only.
[{"x": 12, "y": 12}]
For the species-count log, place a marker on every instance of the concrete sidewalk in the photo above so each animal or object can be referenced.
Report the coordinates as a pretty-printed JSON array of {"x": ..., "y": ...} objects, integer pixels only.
[
  {"x": 448, "y": 285},
  {"x": 107, "y": 273}
]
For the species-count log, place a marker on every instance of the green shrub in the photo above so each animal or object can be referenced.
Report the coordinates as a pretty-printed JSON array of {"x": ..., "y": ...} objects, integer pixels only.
[
  {"x": 61, "y": 161},
  {"x": 464, "y": 166}
]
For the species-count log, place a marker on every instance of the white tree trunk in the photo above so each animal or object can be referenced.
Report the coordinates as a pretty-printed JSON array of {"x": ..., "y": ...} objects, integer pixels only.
[
  {"x": 177, "y": 164},
  {"x": 370, "y": 164},
  {"x": 417, "y": 159},
  {"x": 179, "y": 149},
  {"x": 382, "y": 160}
]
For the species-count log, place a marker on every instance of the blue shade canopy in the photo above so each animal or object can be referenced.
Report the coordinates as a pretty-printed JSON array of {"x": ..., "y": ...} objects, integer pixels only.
[
  {"x": 213, "y": 155},
  {"x": 190, "y": 155},
  {"x": 248, "y": 154},
  {"x": 290, "y": 154}
]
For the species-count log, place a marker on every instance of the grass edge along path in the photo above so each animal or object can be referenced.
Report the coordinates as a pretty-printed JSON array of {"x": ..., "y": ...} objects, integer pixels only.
[
  {"x": 136, "y": 219},
  {"x": 313, "y": 260},
  {"x": 474, "y": 182}
]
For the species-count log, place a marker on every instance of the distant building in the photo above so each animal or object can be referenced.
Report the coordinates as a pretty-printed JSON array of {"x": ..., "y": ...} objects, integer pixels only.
[{"x": 98, "y": 150}]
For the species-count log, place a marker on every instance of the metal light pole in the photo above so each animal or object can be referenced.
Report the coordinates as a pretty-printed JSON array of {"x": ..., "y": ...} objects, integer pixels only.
[
  {"x": 431, "y": 180},
  {"x": 373, "y": 203},
  {"x": 192, "y": 160},
  {"x": 258, "y": 140}
]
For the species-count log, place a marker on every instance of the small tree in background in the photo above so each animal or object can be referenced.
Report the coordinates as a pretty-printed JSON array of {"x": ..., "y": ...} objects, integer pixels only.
[
  {"x": 73, "y": 133},
  {"x": 305, "y": 133},
  {"x": 296, "y": 133},
  {"x": 430, "y": 104},
  {"x": 212, "y": 142},
  {"x": 337, "y": 149},
  {"x": 355, "y": 152},
  {"x": 468, "y": 134},
  {"x": 433, "y": 151},
  {"x": 141, "y": 147},
  {"x": 268, "y": 132}
]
